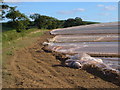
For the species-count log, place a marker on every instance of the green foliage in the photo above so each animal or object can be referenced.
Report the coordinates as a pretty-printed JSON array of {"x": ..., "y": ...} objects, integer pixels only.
[
  {"x": 13, "y": 14},
  {"x": 21, "y": 25},
  {"x": 76, "y": 22},
  {"x": 89, "y": 22},
  {"x": 45, "y": 22},
  {"x": 9, "y": 53},
  {"x": 69, "y": 22},
  {"x": 73, "y": 22},
  {"x": 19, "y": 20},
  {"x": 3, "y": 8},
  {"x": 35, "y": 16},
  {"x": 11, "y": 34}
]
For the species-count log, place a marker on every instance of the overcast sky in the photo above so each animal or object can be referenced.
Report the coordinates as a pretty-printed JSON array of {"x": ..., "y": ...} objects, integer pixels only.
[{"x": 89, "y": 11}]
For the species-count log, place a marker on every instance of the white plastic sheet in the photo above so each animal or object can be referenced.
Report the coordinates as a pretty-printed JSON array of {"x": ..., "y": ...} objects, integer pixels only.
[
  {"x": 105, "y": 28},
  {"x": 79, "y": 60}
]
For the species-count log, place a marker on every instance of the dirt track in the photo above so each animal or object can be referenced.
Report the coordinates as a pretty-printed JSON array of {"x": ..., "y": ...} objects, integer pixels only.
[{"x": 32, "y": 67}]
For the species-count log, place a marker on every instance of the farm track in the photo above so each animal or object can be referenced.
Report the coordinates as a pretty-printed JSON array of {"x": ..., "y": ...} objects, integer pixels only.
[{"x": 31, "y": 67}]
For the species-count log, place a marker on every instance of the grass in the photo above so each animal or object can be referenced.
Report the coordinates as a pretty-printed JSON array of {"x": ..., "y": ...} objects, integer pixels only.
[
  {"x": 12, "y": 41},
  {"x": 11, "y": 35},
  {"x": 9, "y": 53}
]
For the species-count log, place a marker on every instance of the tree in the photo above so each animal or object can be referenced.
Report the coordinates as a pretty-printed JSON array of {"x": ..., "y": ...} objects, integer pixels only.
[
  {"x": 35, "y": 16},
  {"x": 4, "y": 6},
  {"x": 3, "y": 9},
  {"x": 78, "y": 21},
  {"x": 13, "y": 14},
  {"x": 69, "y": 22},
  {"x": 18, "y": 20},
  {"x": 72, "y": 22},
  {"x": 44, "y": 22},
  {"x": 21, "y": 25}
]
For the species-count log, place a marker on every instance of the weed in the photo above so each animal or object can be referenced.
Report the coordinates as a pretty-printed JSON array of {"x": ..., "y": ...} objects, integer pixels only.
[{"x": 9, "y": 53}]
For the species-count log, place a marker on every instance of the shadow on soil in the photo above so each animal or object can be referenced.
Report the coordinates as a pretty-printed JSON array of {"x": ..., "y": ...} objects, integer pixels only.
[{"x": 108, "y": 75}]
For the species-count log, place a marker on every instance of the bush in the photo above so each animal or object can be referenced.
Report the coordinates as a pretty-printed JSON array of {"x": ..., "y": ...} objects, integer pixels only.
[
  {"x": 73, "y": 22},
  {"x": 21, "y": 25}
]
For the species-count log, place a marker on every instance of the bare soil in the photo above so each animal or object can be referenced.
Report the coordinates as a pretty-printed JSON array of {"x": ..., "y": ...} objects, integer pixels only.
[{"x": 32, "y": 67}]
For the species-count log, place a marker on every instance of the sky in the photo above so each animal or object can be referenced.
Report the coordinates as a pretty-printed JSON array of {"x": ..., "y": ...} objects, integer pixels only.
[
  {"x": 61, "y": 0},
  {"x": 88, "y": 11}
]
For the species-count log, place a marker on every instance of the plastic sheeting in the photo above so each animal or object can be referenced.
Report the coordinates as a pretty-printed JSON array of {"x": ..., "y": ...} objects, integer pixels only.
[
  {"x": 84, "y": 38},
  {"x": 80, "y": 60},
  {"x": 105, "y": 28},
  {"x": 99, "y": 39},
  {"x": 85, "y": 47}
]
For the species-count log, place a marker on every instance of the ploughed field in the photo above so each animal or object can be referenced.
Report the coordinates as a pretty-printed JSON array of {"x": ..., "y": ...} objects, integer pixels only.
[{"x": 97, "y": 40}]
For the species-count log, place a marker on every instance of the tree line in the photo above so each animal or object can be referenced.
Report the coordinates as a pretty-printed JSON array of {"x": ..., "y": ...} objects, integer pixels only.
[{"x": 21, "y": 22}]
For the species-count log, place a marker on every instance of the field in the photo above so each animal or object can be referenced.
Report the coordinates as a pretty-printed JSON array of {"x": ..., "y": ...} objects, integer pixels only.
[
  {"x": 27, "y": 65},
  {"x": 101, "y": 40}
]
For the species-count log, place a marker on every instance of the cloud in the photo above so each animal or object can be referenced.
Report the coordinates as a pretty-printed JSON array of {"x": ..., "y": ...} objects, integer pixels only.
[
  {"x": 104, "y": 14},
  {"x": 65, "y": 12},
  {"x": 100, "y": 5},
  {"x": 116, "y": 18},
  {"x": 109, "y": 8},
  {"x": 79, "y": 10},
  {"x": 71, "y": 11},
  {"x": 31, "y": 13}
]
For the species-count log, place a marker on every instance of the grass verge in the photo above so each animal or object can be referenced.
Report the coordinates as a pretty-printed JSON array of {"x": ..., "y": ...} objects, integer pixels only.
[{"x": 12, "y": 41}]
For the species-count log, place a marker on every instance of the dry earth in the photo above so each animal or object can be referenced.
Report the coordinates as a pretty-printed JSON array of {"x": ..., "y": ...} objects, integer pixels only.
[{"x": 32, "y": 67}]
